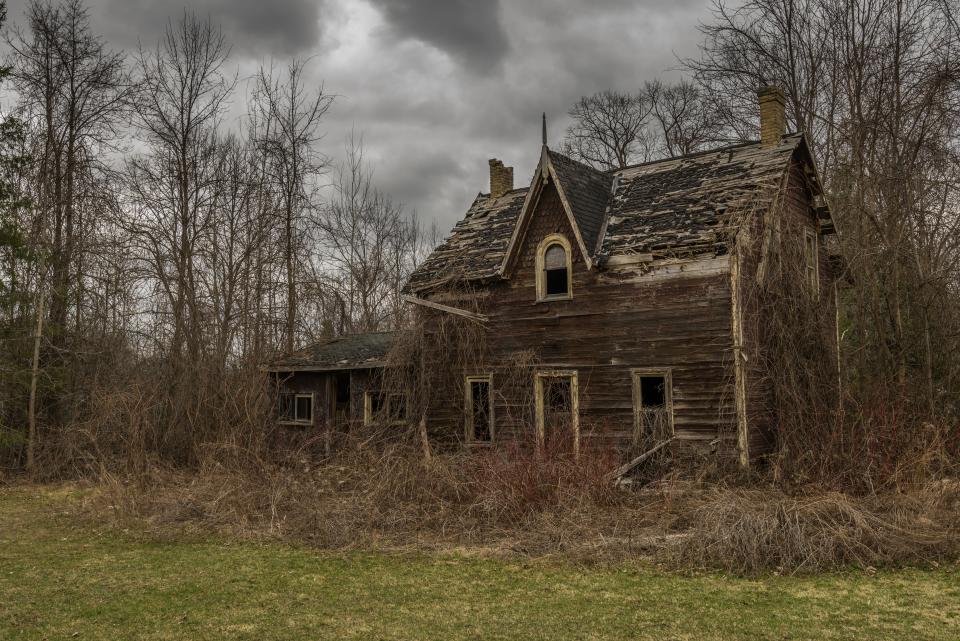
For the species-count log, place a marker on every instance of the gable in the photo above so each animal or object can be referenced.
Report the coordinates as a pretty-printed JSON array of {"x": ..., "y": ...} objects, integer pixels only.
[
  {"x": 583, "y": 193},
  {"x": 548, "y": 217},
  {"x": 587, "y": 192}
]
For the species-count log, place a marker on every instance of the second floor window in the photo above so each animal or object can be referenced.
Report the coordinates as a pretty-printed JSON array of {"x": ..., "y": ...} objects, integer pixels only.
[{"x": 554, "y": 269}]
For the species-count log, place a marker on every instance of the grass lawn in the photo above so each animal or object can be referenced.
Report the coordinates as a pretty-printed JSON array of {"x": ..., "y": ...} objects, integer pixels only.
[{"x": 63, "y": 580}]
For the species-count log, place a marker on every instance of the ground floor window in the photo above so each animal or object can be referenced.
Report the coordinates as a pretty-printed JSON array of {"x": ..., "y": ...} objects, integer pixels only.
[
  {"x": 652, "y": 406},
  {"x": 383, "y": 407},
  {"x": 557, "y": 409},
  {"x": 295, "y": 408},
  {"x": 478, "y": 408}
]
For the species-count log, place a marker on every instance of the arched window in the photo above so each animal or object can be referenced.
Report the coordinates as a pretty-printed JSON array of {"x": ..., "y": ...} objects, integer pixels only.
[{"x": 554, "y": 269}]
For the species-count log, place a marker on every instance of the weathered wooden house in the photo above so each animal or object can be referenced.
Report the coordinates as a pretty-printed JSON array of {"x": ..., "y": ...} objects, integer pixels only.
[{"x": 627, "y": 285}]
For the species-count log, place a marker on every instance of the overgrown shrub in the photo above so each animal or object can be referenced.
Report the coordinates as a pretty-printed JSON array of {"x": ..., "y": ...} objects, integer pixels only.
[{"x": 750, "y": 531}]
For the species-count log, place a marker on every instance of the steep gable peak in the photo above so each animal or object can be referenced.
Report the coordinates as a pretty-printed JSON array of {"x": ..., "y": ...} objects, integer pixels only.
[{"x": 584, "y": 192}]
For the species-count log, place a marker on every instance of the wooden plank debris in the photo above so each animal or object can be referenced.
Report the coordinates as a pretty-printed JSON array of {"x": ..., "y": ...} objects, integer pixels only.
[{"x": 480, "y": 318}]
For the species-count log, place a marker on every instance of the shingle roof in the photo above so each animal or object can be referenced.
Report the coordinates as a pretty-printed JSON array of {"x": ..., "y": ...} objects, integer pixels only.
[
  {"x": 475, "y": 247},
  {"x": 354, "y": 351},
  {"x": 684, "y": 205},
  {"x": 667, "y": 207},
  {"x": 587, "y": 191}
]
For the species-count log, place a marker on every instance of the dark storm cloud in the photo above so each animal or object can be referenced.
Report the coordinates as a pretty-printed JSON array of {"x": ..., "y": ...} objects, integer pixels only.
[
  {"x": 468, "y": 30},
  {"x": 254, "y": 27},
  {"x": 436, "y": 87}
]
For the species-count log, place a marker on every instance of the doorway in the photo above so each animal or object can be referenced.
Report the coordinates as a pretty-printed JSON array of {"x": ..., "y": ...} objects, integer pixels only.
[
  {"x": 557, "y": 410},
  {"x": 652, "y": 408}
]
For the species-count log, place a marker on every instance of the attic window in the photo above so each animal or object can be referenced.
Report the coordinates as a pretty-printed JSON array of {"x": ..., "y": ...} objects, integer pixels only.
[{"x": 554, "y": 268}]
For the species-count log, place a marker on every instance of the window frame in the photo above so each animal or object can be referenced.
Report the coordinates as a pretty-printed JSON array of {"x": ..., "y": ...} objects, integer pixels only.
[
  {"x": 296, "y": 421},
  {"x": 541, "y": 275},
  {"x": 811, "y": 262},
  {"x": 636, "y": 373},
  {"x": 539, "y": 408},
  {"x": 368, "y": 407},
  {"x": 470, "y": 429}
]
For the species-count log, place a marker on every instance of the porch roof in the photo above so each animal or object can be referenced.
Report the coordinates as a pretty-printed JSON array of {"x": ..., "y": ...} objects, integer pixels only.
[{"x": 353, "y": 351}]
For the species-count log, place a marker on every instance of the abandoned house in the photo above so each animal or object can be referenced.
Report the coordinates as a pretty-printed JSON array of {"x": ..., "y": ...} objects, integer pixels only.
[{"x": 625, "y": 290}]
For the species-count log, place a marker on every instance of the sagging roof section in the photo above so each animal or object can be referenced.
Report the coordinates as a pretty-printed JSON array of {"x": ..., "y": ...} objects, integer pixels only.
[
  {"x": 672, "y": 207},
  {"x": 354, "y": 351}
]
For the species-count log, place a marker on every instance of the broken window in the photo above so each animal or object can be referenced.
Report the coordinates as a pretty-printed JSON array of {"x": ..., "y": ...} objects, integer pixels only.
[
  {"x": 556, "y": 395},
  {"x": 811, "y": 267},
  {"x": 479, "y": 409},
  {"x": 295, "y": 408},
  {"x": 653, "y": 421},
  {"x": 387, "y": 408}
]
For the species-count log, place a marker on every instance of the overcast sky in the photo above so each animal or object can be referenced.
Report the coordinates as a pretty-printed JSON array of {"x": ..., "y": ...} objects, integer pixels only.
[{"x": 436, "y": 87}]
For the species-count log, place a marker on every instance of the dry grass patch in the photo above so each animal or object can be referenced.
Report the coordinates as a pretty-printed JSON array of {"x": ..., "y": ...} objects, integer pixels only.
[{"x": 512, "y": 501}]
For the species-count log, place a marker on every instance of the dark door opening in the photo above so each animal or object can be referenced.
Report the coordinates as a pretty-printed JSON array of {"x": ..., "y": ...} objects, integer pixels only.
[
  {"x": 653, "y": 422},
  {"x": 341, "y": 398}
]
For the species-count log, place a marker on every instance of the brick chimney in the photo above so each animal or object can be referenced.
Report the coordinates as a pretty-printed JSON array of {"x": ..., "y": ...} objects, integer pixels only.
[
  {"x": 501, "y": 178},
  {"x": 773, "y": 121}
]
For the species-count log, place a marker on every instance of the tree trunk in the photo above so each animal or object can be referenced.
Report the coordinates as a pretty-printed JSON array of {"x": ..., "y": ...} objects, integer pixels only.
[{"x": 34, "y": 377}]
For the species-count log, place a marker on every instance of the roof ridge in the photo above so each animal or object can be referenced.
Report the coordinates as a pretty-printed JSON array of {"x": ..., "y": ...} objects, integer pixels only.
[
  {"x": 486, "y": 194},
  {"x": 715, "y": 150},
  {"x": 577, "y": 162},
  {"x": 349, "y": 335}
]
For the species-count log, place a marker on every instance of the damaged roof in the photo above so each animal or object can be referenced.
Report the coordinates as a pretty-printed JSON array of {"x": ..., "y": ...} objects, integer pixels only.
[
  {"x": 671, "y": 207},
  {"x": 353, "y": 351},
  {"x": 682, "y": 206},
  {"x": 476, "y": 246}
]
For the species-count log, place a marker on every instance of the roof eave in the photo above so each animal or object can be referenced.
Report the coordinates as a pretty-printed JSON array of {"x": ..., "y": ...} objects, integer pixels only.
[{"x": 290, "y": 369}]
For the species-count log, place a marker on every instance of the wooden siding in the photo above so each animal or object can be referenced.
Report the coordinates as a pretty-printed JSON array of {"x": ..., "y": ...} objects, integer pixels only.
[
  {"x": 791, "y": 217},
  {"x": 673, "y": 317}
]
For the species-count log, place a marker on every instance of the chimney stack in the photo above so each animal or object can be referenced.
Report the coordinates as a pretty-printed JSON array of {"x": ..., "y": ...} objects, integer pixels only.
[
  {"x": 773, "y": 120},
  {"x": 501, "y": 178}
]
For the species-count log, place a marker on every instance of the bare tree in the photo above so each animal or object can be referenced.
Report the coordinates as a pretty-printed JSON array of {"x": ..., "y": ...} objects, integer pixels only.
[
  {"x": 371, "y": 247},
  {"x": 184, "y": 94},
  {"x": 874, "y": 84},
  {"x": 292, "y": 115},
  {"x": 610, "y": 130},
  {"x": 684, "y": 117},
  {"x": 75, "y": 92}
]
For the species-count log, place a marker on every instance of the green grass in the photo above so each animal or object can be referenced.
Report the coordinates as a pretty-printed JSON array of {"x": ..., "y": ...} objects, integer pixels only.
[{"x": 63, "y": 580}]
